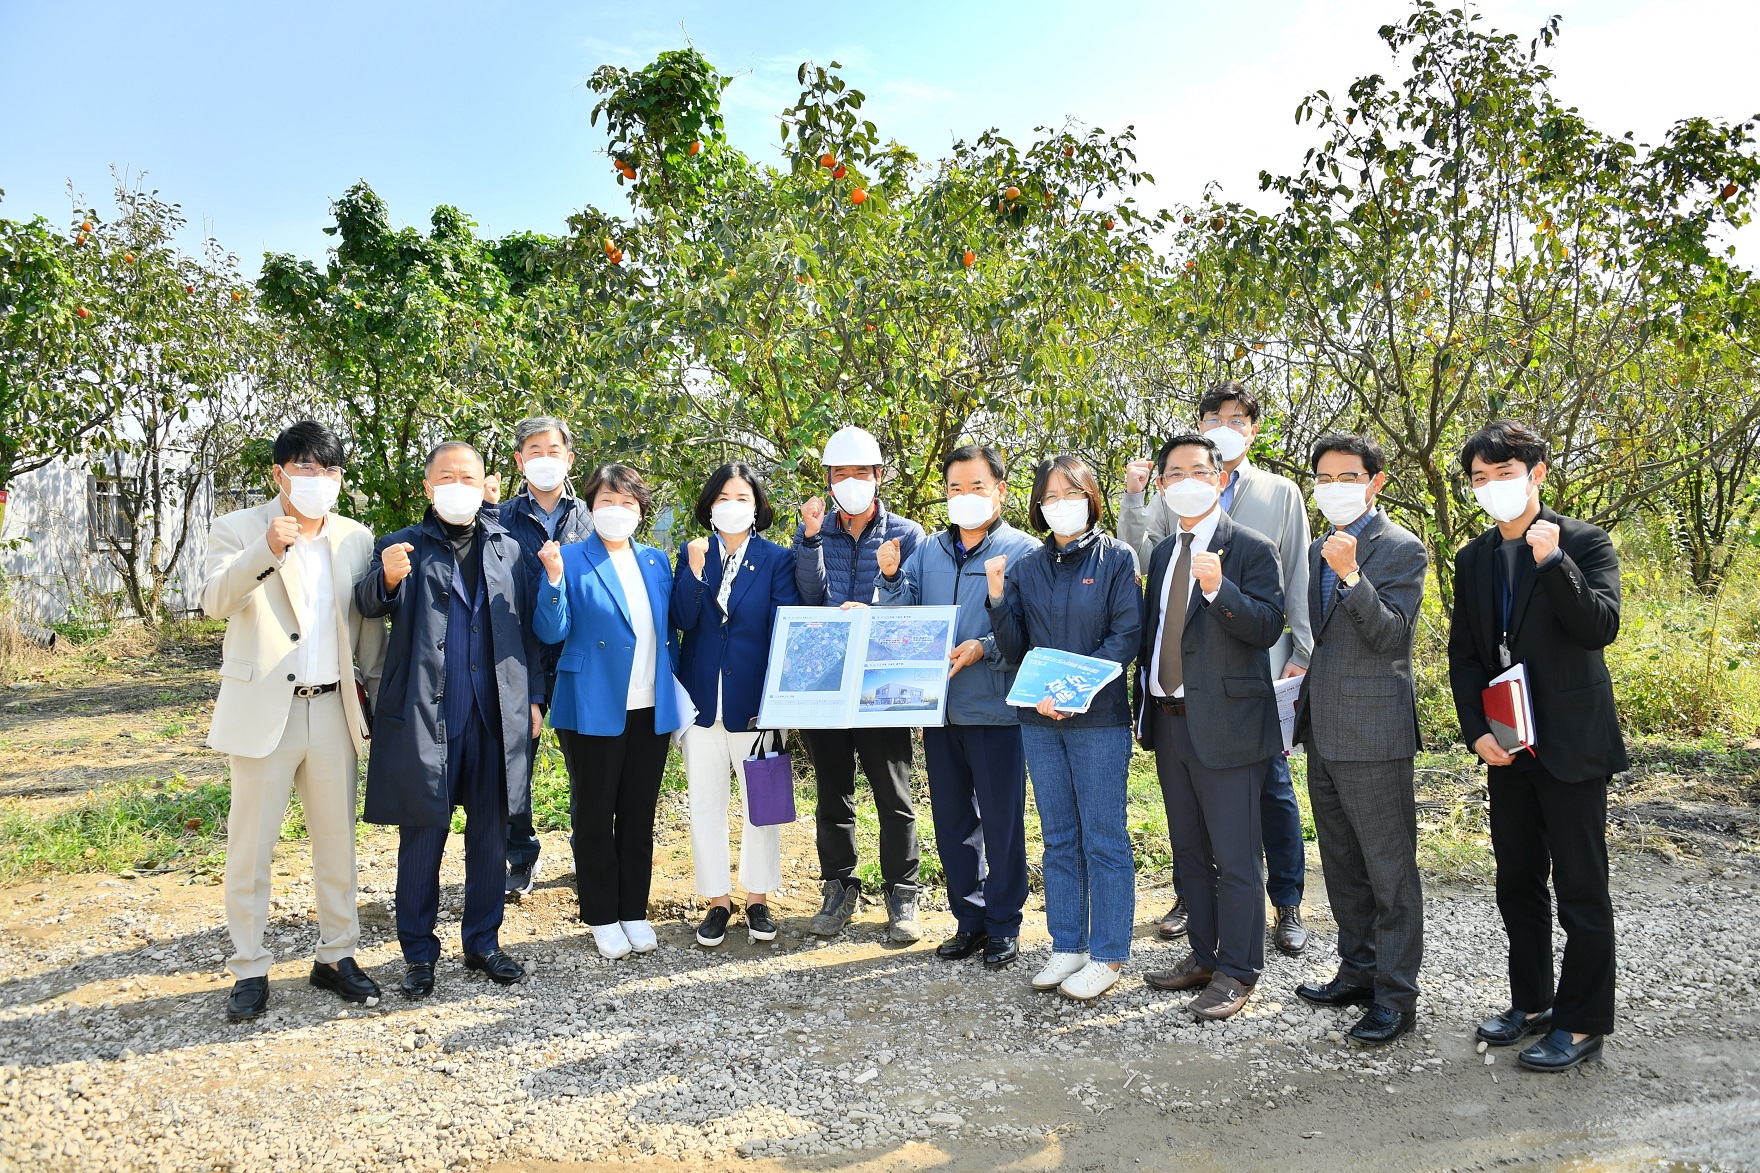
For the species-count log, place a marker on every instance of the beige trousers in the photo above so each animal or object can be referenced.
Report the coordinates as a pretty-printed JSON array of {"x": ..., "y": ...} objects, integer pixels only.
[{"x": 317, "y": 756}]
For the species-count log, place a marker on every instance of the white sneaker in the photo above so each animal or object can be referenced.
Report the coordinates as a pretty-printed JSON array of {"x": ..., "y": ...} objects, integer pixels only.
[
  {"x": 1094, "y": 979},
  {"x": 612, "y": 943},
  {"x": 1061, "y": 966},
  {"x": 641, "y": 935}
]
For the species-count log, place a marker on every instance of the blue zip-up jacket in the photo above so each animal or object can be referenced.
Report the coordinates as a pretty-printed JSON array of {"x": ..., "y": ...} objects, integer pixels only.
[
  {"x": 519, "y": 517},
  {"x": 831, "y": 568},
  {"x": 935, "y": 576},
  {"x": 1084, "y": 599}
]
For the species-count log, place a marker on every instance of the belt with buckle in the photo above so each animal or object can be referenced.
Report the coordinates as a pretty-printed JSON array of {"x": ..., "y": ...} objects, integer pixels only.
[
  {"x": 306, "y": 692},
  {"x": 1170, "y": 704}
]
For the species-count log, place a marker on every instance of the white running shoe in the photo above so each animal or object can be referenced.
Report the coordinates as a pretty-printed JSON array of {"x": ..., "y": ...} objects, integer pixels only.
[
  {"x": 641, "y": 935},
  {"x": 610, "y": 939},
  {"x": 1061, "y": 966},
  {"x": 1094, "y": 979}
]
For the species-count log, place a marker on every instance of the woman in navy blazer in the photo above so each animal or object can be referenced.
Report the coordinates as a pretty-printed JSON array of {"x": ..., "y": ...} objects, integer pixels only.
[
  {"x": 724, "y": 597},
  {"x": 605, "y": 601}
]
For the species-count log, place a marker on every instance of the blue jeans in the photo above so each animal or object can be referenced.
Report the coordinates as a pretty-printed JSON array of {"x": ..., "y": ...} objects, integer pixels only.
[
  {"x": 1090, "y": 881},
  {"x": 1280, "y": 827}
]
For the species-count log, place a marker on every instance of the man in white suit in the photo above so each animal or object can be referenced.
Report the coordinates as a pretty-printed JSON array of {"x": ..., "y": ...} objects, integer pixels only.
[{"x": 282, "y": 575}]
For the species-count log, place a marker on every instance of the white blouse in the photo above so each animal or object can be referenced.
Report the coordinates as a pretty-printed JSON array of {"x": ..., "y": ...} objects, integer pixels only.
[{"x": 641, "y": 617}]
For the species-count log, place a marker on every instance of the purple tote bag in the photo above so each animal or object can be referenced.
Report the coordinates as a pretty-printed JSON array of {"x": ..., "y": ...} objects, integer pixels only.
[{"x": 769, "y": 784}]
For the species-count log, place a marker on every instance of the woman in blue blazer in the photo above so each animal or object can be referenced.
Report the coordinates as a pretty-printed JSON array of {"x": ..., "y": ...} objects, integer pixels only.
[
  {"x": 605, "y": 601},
  {"x": 724, "y": 597}
]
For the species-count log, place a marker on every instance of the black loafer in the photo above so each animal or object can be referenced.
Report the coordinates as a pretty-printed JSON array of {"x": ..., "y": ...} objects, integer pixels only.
[
  {"x": 1512, "y": 1026},
  {"x": 1001, "y": 952},
  {"x": 502, "y": 969},
  {"x": 347, "y": 979},
  {"x": 1381, "y": 1025},
  {"x": 248, "y": 1000},
  {"x": 418, "y": 981},
  {"x": 1556, "y": 1052},
  {"x": 961, "y": 946},
  {"x": 1336, "y": 992}
]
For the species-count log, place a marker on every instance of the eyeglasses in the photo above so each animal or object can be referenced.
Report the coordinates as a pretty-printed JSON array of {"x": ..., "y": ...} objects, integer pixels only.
[
  {"x": 1239, "y": 425},
  {"x": 1175, "y": 476},
  {"x": 1067, "y": 495},
  {"x": 1345, "y": 478},
  {"x": 334, "y": 472}
]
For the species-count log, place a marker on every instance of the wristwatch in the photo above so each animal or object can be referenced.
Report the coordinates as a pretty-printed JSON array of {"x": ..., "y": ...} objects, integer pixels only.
[{"x": 1350, "y": 580}]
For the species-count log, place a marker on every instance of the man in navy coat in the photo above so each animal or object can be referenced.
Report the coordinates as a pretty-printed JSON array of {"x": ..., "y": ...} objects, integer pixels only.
[{"x": 457, "y": 709}]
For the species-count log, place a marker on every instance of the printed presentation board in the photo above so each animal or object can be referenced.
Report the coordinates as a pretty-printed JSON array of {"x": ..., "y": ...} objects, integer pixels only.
[{"x": 864, "y": 668}]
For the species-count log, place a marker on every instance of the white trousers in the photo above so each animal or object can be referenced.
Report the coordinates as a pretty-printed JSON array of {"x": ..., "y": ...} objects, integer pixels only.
[
  {"x": 317, "y": 756},
  {"x": 709, "y": 755}
]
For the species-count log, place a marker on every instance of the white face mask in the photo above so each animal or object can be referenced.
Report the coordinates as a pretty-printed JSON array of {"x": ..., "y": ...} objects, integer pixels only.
[
  {"x": 545, "y": 472},
  {"x": 733, "y": 517},
  {"x": 1066, "y": 518},
  {"x": 614, "y": 523},
  {"x": 1232, "y": 444},
  {"x": 853, "y": 496},
  {"x": 1504, "y": 500},
  {"x": 312, "y": 497},
  {"x": 457, "y": 503},
  {"x": 1190, "y": 497},
  {"x": 970, "y": 510},
  {"x": 1342, "y": 504}
]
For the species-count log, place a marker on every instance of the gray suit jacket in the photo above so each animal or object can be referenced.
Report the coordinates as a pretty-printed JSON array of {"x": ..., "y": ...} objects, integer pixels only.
[
  {"x": 1359, "y": 702},
  {"x": 1262, "y": 501}
]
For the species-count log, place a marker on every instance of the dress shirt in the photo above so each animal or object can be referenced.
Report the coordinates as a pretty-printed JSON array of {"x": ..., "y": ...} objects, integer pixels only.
[
  {"x": 316, "y": 661},
  {"x": 1201, "y": 533}
]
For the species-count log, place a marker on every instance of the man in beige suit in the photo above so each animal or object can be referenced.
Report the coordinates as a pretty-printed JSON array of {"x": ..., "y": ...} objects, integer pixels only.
[{"x": 282, "y": 575}]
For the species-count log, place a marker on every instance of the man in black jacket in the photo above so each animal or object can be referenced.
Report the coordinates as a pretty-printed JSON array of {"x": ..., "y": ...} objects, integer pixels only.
[{"x": 1542, "y": 591}]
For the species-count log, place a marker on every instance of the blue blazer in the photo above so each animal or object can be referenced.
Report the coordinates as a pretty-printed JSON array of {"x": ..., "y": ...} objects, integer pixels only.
[
  {"x": 589, "y": 616},
  {"x": 736, "y": 653}
]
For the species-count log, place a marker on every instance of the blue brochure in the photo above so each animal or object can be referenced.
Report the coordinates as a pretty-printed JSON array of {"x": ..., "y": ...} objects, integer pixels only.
[{"x": 1073, "y": 681}]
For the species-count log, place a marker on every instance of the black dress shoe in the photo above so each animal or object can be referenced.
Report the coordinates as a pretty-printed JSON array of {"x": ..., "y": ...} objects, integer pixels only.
[
  {"x": 502, "y": 969},
  {"x": 248, "y": 1000},
  {"x": 1556, "y": 1052},
  {"x": 418, "y": 981},
  {"x": 1512, "y": 1026},
  {"x": 961, "y": 946},
  {"x": 1001, "y": 952},
  {"x": 1336, "y": 992},
  {"x": 347, "y": 979},
  {"x": 1289, "y": 934},
  {"x": 1173, "y": 926},
  {"x": 1382, "y": 1024}
]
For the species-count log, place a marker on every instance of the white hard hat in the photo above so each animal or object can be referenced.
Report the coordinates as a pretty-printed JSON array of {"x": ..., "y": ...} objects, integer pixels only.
[{"x": 852, "y": 446}]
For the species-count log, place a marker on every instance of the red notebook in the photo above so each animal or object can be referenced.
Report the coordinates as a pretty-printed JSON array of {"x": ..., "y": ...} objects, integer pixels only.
[{"x": 1510, "y": 711}]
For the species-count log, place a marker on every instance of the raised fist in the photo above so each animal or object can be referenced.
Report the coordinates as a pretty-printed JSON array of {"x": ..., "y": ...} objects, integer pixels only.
[
  {"x": 813, "y": 516},
  {"x": 1207, "y": 571},
  {"x": 282, "y": 532},
  {"x": 1542, "y": 539},
  {"x": 995, "y": 570},
  {"x": 550, "y": 554},
  {"x": 889, "y": 557},
  {"x": 492, "y": 488},
  {"x": 1340, "y": 552},
  {"x": 396, "y": 564},
  {"x": 1137, "y": 474},
  {"x": 698, "y": 553}
]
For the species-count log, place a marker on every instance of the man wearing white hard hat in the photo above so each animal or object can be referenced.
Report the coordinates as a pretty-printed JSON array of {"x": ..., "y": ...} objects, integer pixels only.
[{"x": 836, "y": 564}]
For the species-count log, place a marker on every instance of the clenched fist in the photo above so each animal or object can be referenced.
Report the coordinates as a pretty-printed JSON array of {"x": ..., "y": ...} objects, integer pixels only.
[
  {"x": 1137, "y": 474},
  {"x": 889, "y": 556},
  {"x": 282, "y": 533},
  {"x": 1542, "y": 539},
  {"x": 550, "y": 555},
  {"x": 813, "y": 516},
  {"x": 396, "y": 564},
  {"x": 492, "y": 488},
  {"x": 996, "y": 570},
  {"x": 698, "y": 553},
  {"x": 1340, "y": 552},
  {"x": 1207, "y": 571}
]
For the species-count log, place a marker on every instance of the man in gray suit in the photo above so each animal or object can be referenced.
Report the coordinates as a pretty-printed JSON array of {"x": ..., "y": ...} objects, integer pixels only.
[
  {"x": 1259, "y": 500},
  {"x": 1358, "y": 719},
  {"x": 1205, "y": 706}
]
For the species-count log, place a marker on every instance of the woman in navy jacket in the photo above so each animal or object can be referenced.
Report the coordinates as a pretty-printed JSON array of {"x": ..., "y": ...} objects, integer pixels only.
[
  {"x": 725, "y": 593},
  {"x": 614, "y": 706}
]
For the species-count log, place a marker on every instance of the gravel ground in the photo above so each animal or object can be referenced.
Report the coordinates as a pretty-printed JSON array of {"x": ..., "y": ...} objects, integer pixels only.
[{"x": 114, "y": 1054}]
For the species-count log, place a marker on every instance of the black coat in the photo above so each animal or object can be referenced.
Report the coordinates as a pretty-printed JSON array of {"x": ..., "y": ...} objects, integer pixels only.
[
  {"x": 1231, "y": 710},
  {"x": 406, "y": 770},
  {"x": 1564, "y": 616}
]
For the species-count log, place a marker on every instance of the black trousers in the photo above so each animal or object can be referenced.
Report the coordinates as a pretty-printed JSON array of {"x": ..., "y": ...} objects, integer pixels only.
[
  {"x": 886, "y": 760},
  {"x": 1540, "y": 828},
  {"x": 474, "y": 781},
  {"x": 613, "y": 787}
]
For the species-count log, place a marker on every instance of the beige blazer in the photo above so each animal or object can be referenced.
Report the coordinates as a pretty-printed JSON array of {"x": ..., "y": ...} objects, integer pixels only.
[{"x": 244, "y": 584}]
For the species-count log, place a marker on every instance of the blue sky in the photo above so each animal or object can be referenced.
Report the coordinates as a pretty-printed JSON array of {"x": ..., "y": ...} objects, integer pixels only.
[{"x": 254, "y": 116}]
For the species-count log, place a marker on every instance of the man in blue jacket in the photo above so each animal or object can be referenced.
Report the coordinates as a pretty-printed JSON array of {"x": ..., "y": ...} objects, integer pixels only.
[
  {"x": 457, "y": 716},
  {"x": 835, "y": 567},
  {"x": 545, "y": 509},
  {"x": 977, "y": 770}
]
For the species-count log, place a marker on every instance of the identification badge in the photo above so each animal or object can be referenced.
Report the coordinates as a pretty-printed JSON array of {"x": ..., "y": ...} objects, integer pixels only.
[{"x": 1503, "y": 653}]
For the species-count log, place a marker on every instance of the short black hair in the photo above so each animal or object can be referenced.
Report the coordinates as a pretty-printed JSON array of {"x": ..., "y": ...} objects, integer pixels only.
[
  {"x": 1188, "y": 440},
  {"x": 445, "y": 446},
  {"x": 308, "y": 440},
  {"x": 1076, "y": 471},
  {"x": 1502, "y": 440},
  {"x": 1222, "y": 393},
  {"x": 1373, "y": 458},
  {"x": 982, "y": 452},
  {"x": 619, "y": 478},
  {"x": 741, "y": 471}
]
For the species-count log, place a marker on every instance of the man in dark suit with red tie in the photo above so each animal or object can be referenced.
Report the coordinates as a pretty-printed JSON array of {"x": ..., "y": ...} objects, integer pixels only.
[{"x": 1542, "y": 591}]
